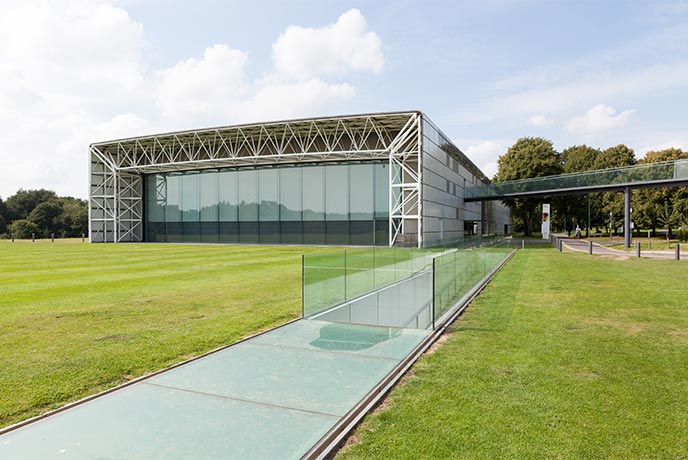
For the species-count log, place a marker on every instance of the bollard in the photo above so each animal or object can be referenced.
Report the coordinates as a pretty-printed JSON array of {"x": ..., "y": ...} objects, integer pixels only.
[
  {"x": 561, "y": 246},
  {"x": 523, "y": 244},
  {"x": 13, "y": 237},
  {"x": 678, "y": 251},
  {"x": 83, "y": 237},
  {"x": 33, "y": 237},
  {"x": 52, "y": 237},
  {"x": 637, "y": 249},
  {"x": 590, "y": 247}
]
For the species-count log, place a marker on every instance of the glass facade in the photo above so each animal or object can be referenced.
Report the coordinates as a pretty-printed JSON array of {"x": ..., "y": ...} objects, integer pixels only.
[{"x": 338, "y": 203}]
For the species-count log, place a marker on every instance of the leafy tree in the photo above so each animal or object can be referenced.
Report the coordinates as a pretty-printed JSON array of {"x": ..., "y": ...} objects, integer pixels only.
[
  {"x": 528, "y": 157},
  {"x": 650, "y": 201},
  {"x": 46, "y": 215},
  {"x": 578, "y": 158},
  {"x": 74, "y": 218},
  {"x": 604, "y": 203},
  {"x": 669, "y": 217},
  {"x": 20, "y": 205},
  {"x": 3, "y": 216},
  {"x": 23, "y": 228}
]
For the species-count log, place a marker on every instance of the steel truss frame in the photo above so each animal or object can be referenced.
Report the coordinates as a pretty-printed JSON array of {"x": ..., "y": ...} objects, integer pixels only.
[{"x": 118, "y": 167}]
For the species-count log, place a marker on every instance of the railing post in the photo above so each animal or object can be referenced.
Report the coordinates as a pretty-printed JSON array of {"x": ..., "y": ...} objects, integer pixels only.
[
  {"x": 303, "y": 285},
  {"x": 627, "y": 217},
  {"x": 434, "y": 259},
  {"x": 678, "y": 251},
  {"x": 637, "y": 249},
  {"x": 590, "y": 247}
]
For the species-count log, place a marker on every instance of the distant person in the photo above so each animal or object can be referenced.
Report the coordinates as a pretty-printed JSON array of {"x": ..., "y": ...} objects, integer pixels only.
[{"x": 578, "y": 231}]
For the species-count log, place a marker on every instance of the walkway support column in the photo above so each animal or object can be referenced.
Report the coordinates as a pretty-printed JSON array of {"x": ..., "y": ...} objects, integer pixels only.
[{"x": 627, "y": 217}]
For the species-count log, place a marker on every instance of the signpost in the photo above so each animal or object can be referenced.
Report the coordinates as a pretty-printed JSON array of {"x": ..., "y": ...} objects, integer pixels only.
[{"x": 545, "y": 221}]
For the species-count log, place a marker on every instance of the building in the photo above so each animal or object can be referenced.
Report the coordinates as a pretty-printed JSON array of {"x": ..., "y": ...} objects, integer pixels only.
[{"x": 374, "y": 179}]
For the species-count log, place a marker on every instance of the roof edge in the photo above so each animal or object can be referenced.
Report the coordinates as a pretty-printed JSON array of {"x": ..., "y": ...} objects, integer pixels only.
[{"x": 258, "y": 123}]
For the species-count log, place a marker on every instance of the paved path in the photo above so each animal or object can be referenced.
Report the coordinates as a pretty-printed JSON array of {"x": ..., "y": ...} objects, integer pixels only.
[
  {"x": 271, "y": 397},
  {"x": 598, "y": 249}
]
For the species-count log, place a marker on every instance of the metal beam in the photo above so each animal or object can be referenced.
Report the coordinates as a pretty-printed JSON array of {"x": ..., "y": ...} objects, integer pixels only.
[{"x": 627, "y": 217}]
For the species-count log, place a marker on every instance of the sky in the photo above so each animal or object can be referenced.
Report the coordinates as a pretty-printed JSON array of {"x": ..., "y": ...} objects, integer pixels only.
[{"x": 487, "y": 72}]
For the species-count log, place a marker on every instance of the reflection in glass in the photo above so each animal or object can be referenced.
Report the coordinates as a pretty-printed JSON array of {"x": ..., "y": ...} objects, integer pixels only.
[{"x": 312, "y": 204}]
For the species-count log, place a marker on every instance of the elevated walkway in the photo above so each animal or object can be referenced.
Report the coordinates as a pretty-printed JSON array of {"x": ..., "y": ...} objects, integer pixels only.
[
  {"x": 624, "y": 179},
  {"x": 665, "y": 174}
]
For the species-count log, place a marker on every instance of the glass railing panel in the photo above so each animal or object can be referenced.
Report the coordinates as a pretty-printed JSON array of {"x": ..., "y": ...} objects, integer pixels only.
[
  {"x": 324, "y": 281},
  {"x": 665, "y": 171}
]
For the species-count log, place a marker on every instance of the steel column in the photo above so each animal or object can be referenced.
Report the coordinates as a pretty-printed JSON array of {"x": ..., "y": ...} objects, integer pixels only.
[{"x": 627, "y": 217}]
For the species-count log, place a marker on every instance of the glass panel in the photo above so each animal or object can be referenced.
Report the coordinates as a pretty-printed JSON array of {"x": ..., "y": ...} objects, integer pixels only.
[
  {"x": 268, "y": 192},
  {"x": 248, "y": 203},
  {"x": 361, "y": 191},
  {"x": 191, "y": 206},
  {"x": 229, "y": 202},
  {"x": 362, "y": 232},
  {"x": 337, "y": 192},
  {"x": 209, "y": 201},
  {"x": 155, "y": 188},
  {"x": 314, "y": 232},
  {"x": 324, "y": 279},
  {"x": 456, "y": 274},
  {"x": 173, "y": 206},
  {"x": 290, "y": 194},
  {"x": 381, "y": 190},
  {"x": 291, "y": 232},
  {"x": 337, "y": 232},
  {"x": 248, "y": 232},
  {"x": 313, "y": 196}
]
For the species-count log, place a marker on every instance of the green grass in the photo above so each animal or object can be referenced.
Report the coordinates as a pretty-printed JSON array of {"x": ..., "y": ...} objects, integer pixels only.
[
  {"x": 78, "y": 318},
  {"x": 562, "y": 356}
]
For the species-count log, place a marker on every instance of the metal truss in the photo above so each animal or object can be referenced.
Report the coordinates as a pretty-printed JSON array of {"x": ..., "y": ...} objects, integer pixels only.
[
  {"x": 404, "y": 183},
  {"x": 118, "y": 167}
]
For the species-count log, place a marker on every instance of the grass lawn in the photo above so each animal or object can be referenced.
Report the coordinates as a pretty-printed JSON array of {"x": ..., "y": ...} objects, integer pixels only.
[
  {"x": 562, "y": 356},
  {"x": 78, "y": 318}
]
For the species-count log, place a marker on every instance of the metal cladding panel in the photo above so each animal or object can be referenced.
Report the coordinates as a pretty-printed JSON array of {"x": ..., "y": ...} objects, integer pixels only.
[{"x": 446, "y": 173}]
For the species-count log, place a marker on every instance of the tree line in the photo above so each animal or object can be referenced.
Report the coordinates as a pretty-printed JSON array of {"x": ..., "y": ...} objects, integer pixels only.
[
  {"x": 42, "y": 213},
  {"x": 653, "y": 208}
]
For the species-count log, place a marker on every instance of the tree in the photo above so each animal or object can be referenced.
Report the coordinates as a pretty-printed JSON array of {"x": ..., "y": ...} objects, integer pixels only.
[
  {"x": 23, "y": 228},
  {"x": 650, "y": 201},
  {"x": 578, "y": 158},
  {"x": 74, "y": 218},
  {"x": 3, "y": 216},
  {"x": 604, "y": 203},
  {"x": 46, "y": 217},
  {"x": 528, "y": 157},
  {"x": 668, "y": 216},
  {"x": 20, "y": 205}
]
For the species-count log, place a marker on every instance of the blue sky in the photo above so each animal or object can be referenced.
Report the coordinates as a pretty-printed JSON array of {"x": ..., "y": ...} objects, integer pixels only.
[{"x": 487, "y": 72}]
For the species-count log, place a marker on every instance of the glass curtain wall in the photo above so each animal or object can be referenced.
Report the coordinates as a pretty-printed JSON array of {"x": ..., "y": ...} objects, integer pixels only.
[{"x": 341, "y": 203}]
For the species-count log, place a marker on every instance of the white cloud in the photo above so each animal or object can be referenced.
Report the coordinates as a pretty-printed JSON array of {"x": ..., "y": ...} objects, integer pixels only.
[
  {"x": 280, "y": 99},
  {"x": 346, "y": 45},
  {"x": 205, "y": 87},
  {"x": 74, "y": 72},
  {"x": 597, "y": 120},
  {"x": 539, "y": 121},
  {"x": 485, "y": 153},
  {"x": 671, "y": 144}
]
